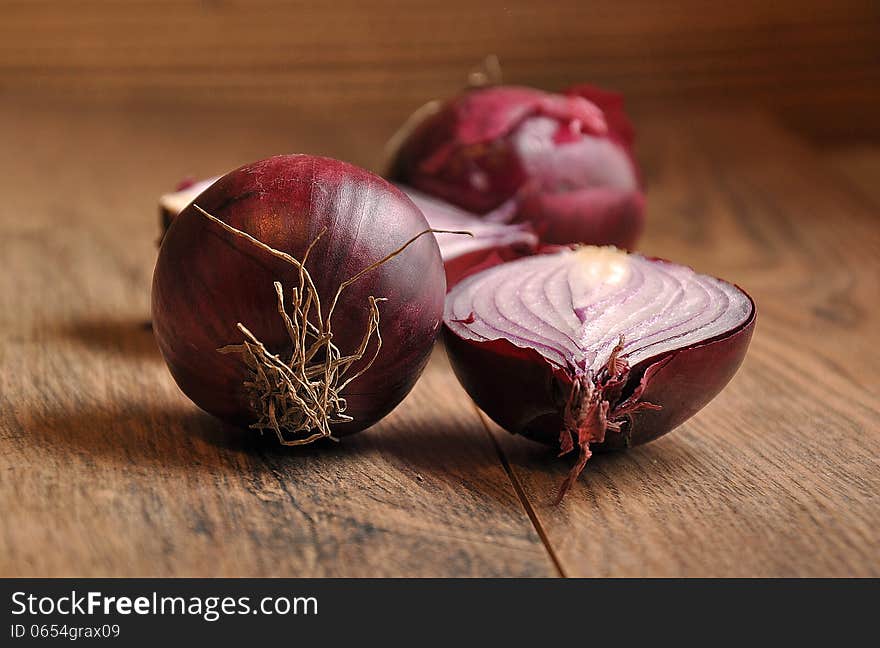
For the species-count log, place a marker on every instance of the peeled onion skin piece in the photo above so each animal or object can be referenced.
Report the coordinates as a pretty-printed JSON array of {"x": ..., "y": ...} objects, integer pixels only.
[
  {"x": 492, "y": 239},
  {"x": 208, "y": 280},
  {"x": 525, "y": 394}
]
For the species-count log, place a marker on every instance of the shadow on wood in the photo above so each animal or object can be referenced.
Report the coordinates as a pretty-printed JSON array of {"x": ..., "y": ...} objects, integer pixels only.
[{"x": 131, "y": 336}]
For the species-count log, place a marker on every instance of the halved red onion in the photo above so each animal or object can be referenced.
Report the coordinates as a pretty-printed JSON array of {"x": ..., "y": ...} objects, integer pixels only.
[
  {"x": 493, "y": 240},
  {"x": 593, "y": 347}
]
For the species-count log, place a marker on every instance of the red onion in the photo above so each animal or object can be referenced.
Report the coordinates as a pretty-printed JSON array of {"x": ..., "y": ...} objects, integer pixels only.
[
  {"x": 565, "y": 159},
  {"x": 593, "y": 347},
  {"x": 491, "y": 241},
  {"x": 326, "y": 346}
]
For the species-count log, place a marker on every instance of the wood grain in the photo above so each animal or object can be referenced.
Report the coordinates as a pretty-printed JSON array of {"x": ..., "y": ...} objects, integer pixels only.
[
  {"x": 779, "y": 476},
  {"x": 107, "y": 470},
  {"x": 787, "y": 55},
  {"x": 858, "y": 164}
]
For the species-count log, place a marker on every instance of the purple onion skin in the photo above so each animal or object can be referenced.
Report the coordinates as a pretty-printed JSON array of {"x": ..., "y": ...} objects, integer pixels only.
[
  {"x": 606, "y": 216},
  {"x": 519, "y": 390},
  {"x": 568, "y": 196},
  {"x": 207, "y": 280}
]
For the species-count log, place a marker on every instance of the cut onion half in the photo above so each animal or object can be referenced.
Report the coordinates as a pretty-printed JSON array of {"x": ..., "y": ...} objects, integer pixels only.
[{"x": 594, "y": 348}]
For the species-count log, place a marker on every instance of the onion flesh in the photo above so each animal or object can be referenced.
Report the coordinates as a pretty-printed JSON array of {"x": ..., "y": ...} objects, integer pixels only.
[{"x": 573, "y": 307}]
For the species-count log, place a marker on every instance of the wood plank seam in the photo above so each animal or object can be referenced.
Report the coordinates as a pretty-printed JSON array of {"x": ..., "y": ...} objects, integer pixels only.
[{"x": 520, "y": 493}]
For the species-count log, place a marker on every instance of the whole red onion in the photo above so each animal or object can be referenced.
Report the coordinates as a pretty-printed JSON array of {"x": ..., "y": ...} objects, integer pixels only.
[
  {"x": 594, "y": 348},
  {"x": 287, "y": 266},
  {"x": 566, "y": 160}
]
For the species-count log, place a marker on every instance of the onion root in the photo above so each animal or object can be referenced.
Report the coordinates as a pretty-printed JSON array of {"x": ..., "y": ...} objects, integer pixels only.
[
  {"x": 588, "y": 413},
  {"x": 300, "y": 397}
]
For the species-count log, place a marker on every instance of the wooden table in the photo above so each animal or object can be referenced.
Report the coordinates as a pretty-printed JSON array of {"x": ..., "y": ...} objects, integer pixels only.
[{"x": 106, "y": 469}]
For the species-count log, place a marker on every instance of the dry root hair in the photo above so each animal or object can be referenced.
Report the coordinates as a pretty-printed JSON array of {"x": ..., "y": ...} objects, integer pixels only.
[{"x": 298, "y": 396}]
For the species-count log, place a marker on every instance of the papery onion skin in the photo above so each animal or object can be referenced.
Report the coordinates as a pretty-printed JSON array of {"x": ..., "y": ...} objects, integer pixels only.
[
  {"x": 525, "y": 394},
  {"x": 600, "y": 216},
  {"x": 206, "y": 280},
  {"x": 580, "y": 185},
  {"x": 491, "y": 241}
]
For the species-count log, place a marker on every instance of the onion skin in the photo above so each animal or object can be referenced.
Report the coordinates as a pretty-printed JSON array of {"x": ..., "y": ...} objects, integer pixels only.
[
  {"x": 580, "y": 186},
  {"x": 492, "y": 240},
  {"x": 207, "y": 280},
  {"x": 607, "y": 216},
  {"x": 620, "y": 129}
]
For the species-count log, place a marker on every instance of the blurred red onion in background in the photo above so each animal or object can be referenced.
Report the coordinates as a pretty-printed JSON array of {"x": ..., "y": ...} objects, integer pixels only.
[{"x": 565, "y": 159}]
